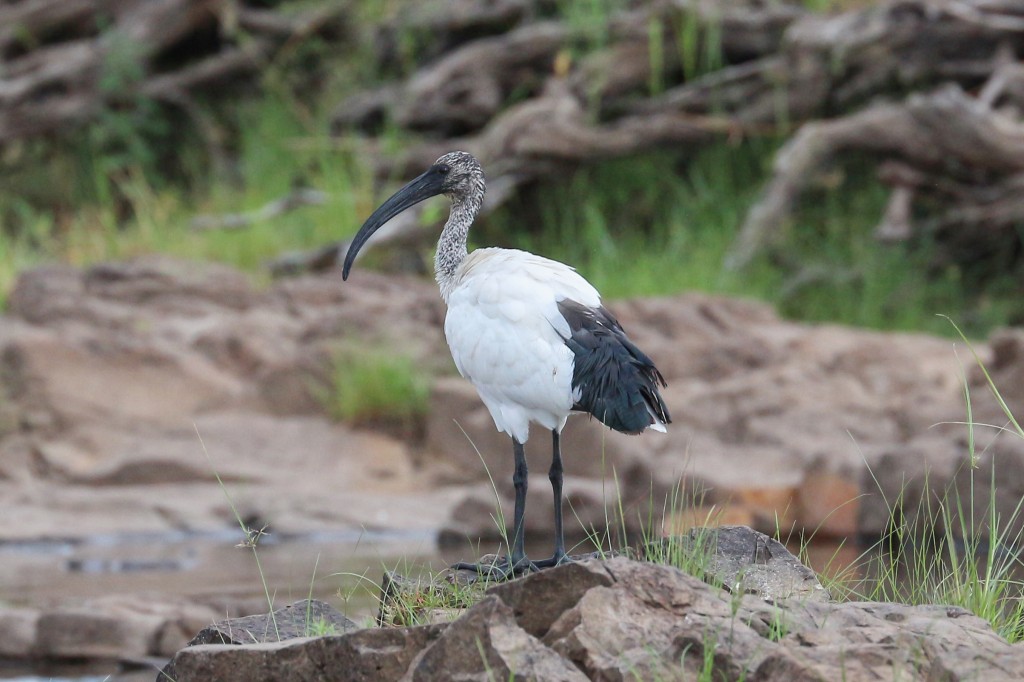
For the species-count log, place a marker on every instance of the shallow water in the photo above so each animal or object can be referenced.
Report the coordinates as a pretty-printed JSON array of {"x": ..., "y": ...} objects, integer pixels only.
[
  {"x": 214, "y": 564},
  {"x": 343, "y": 568}
]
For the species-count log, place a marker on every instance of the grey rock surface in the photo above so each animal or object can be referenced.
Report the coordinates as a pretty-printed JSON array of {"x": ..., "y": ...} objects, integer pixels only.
[
  {"x": 622, "y": 619},
  {"x": 745, "y": 561},
  {"x": 300, "y": 619}
]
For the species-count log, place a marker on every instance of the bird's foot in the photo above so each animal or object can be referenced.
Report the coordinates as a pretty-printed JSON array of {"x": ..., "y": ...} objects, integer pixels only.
[
  {"x": 501, "y": 568},
  {"x": 559, "y": 558}
]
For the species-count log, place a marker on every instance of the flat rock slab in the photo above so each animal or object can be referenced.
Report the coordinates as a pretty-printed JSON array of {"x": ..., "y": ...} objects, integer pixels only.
[
  {"x": 277, "y": 629},
  {"x": 365, "y": 655}
]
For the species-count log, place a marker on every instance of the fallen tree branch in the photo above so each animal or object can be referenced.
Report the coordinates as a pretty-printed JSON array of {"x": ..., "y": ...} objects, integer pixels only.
[
  {"x": 236, "y": 221},
  {"x": 944, "y": 132},
  {"x": 55, "y": 58}
]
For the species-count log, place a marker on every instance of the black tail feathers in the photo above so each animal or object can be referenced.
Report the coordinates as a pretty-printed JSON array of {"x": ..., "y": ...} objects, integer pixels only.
[{"x": 616, "y": 382}]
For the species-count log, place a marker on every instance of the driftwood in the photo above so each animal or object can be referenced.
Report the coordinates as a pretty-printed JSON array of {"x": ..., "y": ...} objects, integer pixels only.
[
  {"x": 951, "y": 145},
  {"x": 934, "y": 85},
  {"x": 278, "y": 207},
  {"x": 933, "y": 90},
  {"x": 55, "y": 54}
]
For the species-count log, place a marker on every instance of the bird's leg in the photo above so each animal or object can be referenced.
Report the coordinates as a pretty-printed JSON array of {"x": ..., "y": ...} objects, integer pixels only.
[
  {"x": 516, "y": 563},
  {"x": 519, "y": 480},
  {"x": 555, "y": 476}
]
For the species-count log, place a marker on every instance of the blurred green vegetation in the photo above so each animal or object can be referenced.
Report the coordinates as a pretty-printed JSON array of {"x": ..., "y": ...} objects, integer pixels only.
[
  {"x": 377, "y": 387},
  {"x": 131, "y": 182}
]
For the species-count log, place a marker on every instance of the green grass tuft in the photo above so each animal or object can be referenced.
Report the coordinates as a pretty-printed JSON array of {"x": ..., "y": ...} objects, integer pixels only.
[{"x": 374, "y": 387}]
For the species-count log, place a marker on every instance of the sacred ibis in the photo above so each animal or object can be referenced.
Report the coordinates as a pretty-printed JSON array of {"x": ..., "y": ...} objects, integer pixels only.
[{"x": 531, "y": 335}]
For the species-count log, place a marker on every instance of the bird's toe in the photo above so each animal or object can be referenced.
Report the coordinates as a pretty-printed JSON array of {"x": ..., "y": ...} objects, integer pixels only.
[
  {"x": 557, "y": 559},
  {"x": 499, "y": 569}
]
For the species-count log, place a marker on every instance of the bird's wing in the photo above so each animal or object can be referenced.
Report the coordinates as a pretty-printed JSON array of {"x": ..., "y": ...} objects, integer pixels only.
[
  {"x": 507, "y": 335},
  {"x": 612, "y": 378}
]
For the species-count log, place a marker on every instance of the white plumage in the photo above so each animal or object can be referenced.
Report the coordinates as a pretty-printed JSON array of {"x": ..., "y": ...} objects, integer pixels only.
[
  {"x": 507, "y": 335},
  {"x": 531, "y": 335}
]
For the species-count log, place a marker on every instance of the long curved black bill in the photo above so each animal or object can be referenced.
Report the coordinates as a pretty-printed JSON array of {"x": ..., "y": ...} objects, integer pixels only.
[{"x": 423, "y": 187}]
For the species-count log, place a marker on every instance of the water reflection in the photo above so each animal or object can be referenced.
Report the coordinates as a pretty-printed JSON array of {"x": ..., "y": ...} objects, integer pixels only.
[
  {"x": 343, "y": 568},
  {"x": 44, "y": 573}
]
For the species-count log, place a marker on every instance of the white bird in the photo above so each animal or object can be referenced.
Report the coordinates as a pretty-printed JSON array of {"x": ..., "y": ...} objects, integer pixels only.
[{"x": 531, "y": 335}]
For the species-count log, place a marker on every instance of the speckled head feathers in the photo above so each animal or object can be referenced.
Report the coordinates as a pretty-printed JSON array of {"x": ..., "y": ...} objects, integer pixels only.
[{"x": 463, "y": 174}]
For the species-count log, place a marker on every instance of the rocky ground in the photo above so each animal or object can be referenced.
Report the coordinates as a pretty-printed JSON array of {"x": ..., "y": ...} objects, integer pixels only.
[
  {"x": 621, "y": 620},
  {"x": 127, "y": 386}
]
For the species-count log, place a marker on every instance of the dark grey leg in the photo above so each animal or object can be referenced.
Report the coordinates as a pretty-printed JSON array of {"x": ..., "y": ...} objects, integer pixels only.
[
  {"x": 519, "y": 480},
  {"x": 516, "y": 563},
  {"x": 555, "y": 476}
]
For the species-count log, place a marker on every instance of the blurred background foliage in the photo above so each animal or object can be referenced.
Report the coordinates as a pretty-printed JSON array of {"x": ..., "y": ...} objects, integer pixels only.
[{"x": 132, "y": 178}]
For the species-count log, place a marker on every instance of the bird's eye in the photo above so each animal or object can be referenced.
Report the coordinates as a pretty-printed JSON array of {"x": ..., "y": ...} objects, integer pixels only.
[{"x": 443, "y": 169}]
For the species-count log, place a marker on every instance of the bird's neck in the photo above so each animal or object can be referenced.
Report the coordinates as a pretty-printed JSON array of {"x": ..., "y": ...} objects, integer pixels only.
[{"x": 451, "y": 247}]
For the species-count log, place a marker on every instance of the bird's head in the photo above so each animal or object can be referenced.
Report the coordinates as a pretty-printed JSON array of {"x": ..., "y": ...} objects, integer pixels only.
[
  {"x": 461, "y": 174},
  {"x": 457, "y": 175}
]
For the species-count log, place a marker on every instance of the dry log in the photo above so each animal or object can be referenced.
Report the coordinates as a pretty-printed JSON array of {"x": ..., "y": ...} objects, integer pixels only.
[
  {"x": 55, "y": 54},
  {"x": 818, "y": 64},
  {"x": 781, "y": 65},
  {"x": 802, "y": 65},
  {"x": 22, "y": 24},
  {"x": 278, "y": 207},
  {"x": 466, "y": 88},
  {"x": 463, "y": 90},
  {"x": 945, "y": 132},
  {"x": 460, "y": 22}
]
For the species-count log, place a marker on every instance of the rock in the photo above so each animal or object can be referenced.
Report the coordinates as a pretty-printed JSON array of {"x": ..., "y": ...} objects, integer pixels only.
[
  {"x": 112, "y": 627},
  {"x": 117, "y": 378},
  {"x": 541, "y": 600},
  {"x": 300, "y": 619},
  {"x": 645, "y": 623},
  {"x": 77, "y": 633},
  {"x": 898, "y": 478},
  {"x": 297, "y": 621},
  {"x": 868, "y": 640},
  {"x": 909, "y": 483},
  {"x": 827, "y": 501},
  {"x": 487, "y": 643},
  {"x": 451, "y": 452},
  {"x": 743, "y": 560},
  {"x": 1006, "y": 368},
  {"x": 623, "y": 619},
  {"x": 18, "y": 628},
  {"x": 362, "y": 656},
  {"x": 653, "y": 617}
]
